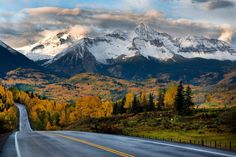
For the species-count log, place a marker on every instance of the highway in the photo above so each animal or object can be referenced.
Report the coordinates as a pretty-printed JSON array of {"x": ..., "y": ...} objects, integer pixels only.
[{"x": 29, "y": 143}]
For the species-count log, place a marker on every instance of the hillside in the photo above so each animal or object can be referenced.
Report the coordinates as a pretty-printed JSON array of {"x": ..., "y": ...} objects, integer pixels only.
[
  {"x": 62, "y": 89},
  {"x": 111, "y": 88},
  {"x": 11, "y": 59}
]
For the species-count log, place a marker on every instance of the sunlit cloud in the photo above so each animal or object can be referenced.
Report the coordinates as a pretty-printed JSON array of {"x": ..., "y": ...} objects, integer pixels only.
[
  {"x": 89, "y": 19},
  {"x": 227, "y": 33},
  {"x": 51, "y": 10}
]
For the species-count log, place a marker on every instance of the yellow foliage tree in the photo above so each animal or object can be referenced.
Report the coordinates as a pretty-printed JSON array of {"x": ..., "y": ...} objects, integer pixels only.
[
  {"x": 1, "y": 106},
  {"x": 128, "y": 101},
  {"x": 9, "y": 98},
  {"x": 143, "y": 100},
  {"x": 49, "y": 126},
  {"x": 170, "y": 95},
  {"x": 107, "y": 108},
  {"x": 62, "y": 121}
]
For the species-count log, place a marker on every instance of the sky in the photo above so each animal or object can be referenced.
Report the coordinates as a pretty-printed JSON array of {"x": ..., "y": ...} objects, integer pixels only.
[{"x": 24, "y": 22}]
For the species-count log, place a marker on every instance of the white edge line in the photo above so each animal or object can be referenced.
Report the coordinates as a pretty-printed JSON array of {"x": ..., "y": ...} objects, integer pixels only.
[
  {"x": 189, "y": 148},
  {"x": 184, "y": 147},
  {"x": 17, "y": 146}
]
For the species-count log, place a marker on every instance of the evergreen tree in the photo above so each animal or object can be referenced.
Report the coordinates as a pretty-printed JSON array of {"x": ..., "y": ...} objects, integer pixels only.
[
  {"x": 115, "y": 108},
  {"x": 161, "y": 103},
  {"x": 121, "y": 106},
  {"x": 143, "y": 102},
  {"x": 179, "y": 99},
  {"x": 118, "y": 107},
  {"x": 135, "y": 105},
  {"x": 188, "y": 104},
  {"x": 151, "y": 105}
]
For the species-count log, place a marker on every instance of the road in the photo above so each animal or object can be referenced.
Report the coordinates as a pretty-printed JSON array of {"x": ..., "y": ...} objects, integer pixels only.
[{"x": 29, "y": 143}]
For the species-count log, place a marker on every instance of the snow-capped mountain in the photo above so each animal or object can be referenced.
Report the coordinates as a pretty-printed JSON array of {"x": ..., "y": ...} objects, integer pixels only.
[
  {"x": 193, "y": 47},
  {"x": 143, "y": 40},
  {"x": 146, "y": 52},
  {"x": 48, "y": 47},
  {"x": 147, "y": 42}
]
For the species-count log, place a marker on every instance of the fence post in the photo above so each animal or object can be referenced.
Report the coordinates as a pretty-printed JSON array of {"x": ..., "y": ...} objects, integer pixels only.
[
  {"x": 215, "y": 144},
  {"x": 202, "y": 143},
  {"x": 230, "y": 146},
  {"x": 190, "y": 142}
]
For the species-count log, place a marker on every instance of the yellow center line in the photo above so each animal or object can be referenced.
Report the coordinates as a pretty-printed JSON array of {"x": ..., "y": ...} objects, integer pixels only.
[{"x": 96, "y": 145}]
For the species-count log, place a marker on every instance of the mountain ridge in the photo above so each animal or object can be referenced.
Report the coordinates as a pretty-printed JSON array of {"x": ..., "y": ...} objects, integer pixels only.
[
  {"x": 142, "y": 40},
  {"x": 11, "y": 59}
]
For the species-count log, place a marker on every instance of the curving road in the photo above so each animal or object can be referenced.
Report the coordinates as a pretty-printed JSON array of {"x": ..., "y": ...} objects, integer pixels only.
[{"x": 29, "y": 143}]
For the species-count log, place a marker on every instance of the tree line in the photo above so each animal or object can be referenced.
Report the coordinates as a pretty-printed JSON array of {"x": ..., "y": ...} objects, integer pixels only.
[
  {"x": 50, "y": 115},
  {"x": 174, "y": 97},
  {"x": 8, "y": 112}
]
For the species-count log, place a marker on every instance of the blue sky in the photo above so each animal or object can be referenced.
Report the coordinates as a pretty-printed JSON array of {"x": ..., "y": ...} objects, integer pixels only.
[{"x": 212, "y": 18}]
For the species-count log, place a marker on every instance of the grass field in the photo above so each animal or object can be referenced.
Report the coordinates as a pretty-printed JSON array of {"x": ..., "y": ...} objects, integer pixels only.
[{"x": 207, "y": 126}]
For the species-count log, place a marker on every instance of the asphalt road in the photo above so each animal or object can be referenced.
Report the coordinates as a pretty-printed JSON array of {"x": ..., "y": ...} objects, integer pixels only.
[{"x": 29, "y": 143}]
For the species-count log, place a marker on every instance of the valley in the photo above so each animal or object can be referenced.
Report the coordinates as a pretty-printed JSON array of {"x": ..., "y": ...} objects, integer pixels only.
[{"x": 140, "y": 82}]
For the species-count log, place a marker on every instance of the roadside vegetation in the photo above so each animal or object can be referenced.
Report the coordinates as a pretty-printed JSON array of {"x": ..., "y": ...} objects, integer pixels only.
[
  {"x": 8, "y": 112},
  {"x": 47, "y": 114},
  {"x": 168, "y": 113}
]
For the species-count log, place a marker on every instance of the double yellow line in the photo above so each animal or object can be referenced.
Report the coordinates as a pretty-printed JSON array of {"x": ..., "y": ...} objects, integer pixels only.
[{"x": 96, "y": 145}]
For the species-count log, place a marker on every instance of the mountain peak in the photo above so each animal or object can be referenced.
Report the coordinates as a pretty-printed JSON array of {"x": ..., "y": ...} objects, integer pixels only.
[
  {"x": 146, "y": 32},
  {"x": 48, "y": 47}
]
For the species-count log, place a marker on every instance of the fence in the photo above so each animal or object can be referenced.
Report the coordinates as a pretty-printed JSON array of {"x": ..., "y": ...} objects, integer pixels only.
[{"x": 227, "y": 145}]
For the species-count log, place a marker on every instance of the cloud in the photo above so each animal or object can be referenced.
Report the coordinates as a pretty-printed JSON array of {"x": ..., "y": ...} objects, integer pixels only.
[
  {"x": 199, "y": 1},
  {"x": 219, "y": 4},
  {"x": 51, "y": 10},
  {"x": 154, "y": 14},
  {"x": 227, "y": 33},
  {"x": 78, "y": 31},
  {"x": 215, "y": 4},
  {"x": 47, "y": 21},
  {"x": 136, "y": 4}
]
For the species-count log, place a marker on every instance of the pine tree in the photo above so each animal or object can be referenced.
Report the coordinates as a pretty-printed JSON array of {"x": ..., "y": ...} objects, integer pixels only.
[
  {"x": 151, "y": 105},
  {"x": 115, "y": 108},
  {"x": 179, "y": 99},
  {"x": 161, "y": 103},
  {"x": 135, "y": 105},
  {"x": 121, "y": 106},
  {"x": 118, "y": 107},
  {"x": 188, "y": 104},
  {"x": 143, "y": 102}
]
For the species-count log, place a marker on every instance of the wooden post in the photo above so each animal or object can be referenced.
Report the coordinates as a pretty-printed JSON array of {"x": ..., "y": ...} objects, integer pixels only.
[
  {"x": 202, "y": 143},
  {"x": 230, "y": 146},
  {"x": 215, "y": 144}
]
